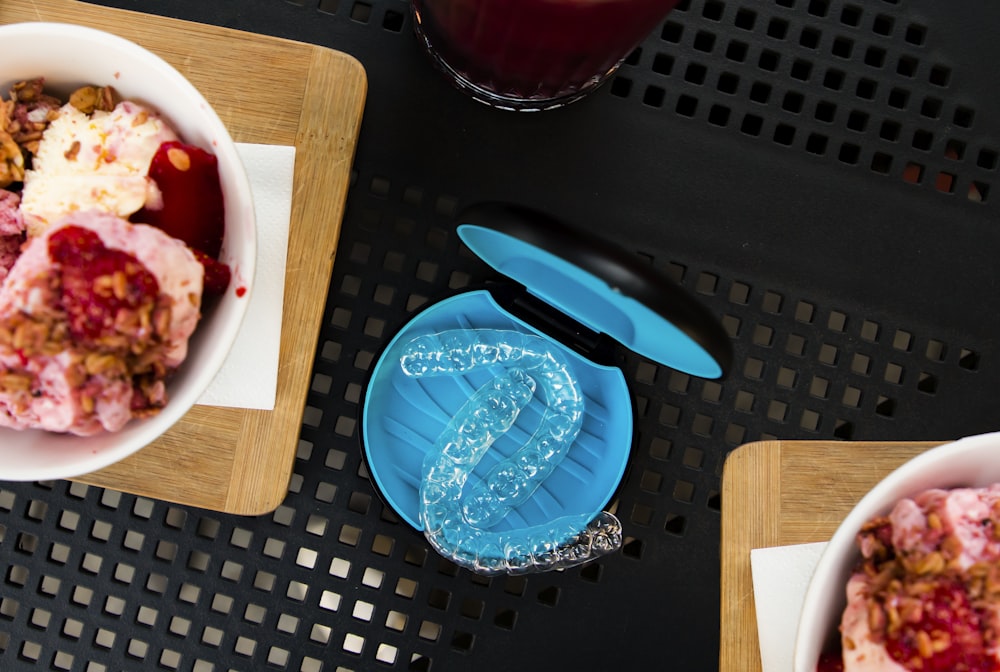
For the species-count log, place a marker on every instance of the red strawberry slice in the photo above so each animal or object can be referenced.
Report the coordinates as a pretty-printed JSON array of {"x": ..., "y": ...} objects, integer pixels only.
[
  {"x": 98, "y": 282},
  {"x": 831, "y": 661},
  {"x": 193, "y": 209},
  {"x": 217, "y": 274}
]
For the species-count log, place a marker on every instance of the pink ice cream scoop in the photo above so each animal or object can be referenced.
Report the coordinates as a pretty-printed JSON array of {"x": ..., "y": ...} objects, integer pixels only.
[
  {"x": 926, "y": 595},
  {"x": 94, "y": 315}
]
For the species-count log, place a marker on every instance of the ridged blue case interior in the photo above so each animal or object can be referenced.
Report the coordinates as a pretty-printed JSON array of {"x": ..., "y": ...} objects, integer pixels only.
[{"x": 403, "y": 416}]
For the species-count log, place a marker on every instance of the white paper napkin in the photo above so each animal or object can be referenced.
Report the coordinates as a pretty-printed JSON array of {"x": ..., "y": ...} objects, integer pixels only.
[
  {"x": 249, "y": 376},
  {"x": 780, "y": 577}
]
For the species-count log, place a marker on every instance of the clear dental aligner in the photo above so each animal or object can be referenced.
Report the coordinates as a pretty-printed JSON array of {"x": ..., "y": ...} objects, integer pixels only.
[
  {"x": 514, "y": 480},
  {"x": 459, "y": 530}
]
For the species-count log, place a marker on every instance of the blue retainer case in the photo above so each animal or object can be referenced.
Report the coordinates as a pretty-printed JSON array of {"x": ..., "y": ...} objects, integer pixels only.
[{"x": 580, "y": 294}]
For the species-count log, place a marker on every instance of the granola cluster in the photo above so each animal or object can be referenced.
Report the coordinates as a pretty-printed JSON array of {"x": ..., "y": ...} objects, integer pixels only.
[
  {"x": 26, "y": 114},
  {"x": 106, "y": 320},
  {"x": 926, "y": 604}
]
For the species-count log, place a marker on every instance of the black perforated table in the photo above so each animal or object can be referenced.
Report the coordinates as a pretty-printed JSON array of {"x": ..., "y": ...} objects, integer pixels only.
[{"x": 822, "y": 174}]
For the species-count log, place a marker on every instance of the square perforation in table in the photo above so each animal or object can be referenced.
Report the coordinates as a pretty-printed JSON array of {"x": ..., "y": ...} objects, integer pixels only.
[{"x": 826, "y": 81}]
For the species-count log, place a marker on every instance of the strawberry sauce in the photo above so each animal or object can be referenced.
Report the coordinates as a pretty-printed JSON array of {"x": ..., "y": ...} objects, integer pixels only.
[{"x": 98, "y": 283}]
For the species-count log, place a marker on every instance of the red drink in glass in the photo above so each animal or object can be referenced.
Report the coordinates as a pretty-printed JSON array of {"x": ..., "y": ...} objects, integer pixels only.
[{"x": 533, "y": 54}]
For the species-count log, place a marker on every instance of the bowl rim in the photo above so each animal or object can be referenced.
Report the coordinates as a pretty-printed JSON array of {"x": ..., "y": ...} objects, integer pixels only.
[
  {"x": 224, "y": 334},
  {"x": 910, "y": 478}
]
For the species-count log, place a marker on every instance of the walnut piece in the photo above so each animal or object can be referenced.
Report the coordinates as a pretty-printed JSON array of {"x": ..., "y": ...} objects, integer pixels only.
[{"x": 87, "y": 99}]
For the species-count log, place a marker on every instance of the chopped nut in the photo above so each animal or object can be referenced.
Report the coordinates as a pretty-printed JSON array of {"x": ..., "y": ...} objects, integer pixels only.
[
  {"x": 26, "y": 91},
  {"x": 120, "y": 285},
  {"x": 895, "y": 621},
  {"x": 116, "y": 342},
  {"x": 103, "y": 285},
  {"x": 15, "y": 382},
  {"x": 59, "y": 333},
  {"x": 97, "y": 363},
  {"x": 940, "y": 642},
  {"x": 30, "y": 136},
  {"x": 21, "y": 337},
  {"x": 932, "y": 563},
  {"x": 979, "y": 569},
  {"x": 161, "y": 320},
  {"x": 144, "y": 318},
  {"x": 73, "y": 151},
  {"x": 27, "y": 114},
  {"x": 883, "y": 580},
  {"x": 147, "y": 412},
  {"x": 76, "y": 375},
  {"x": 993, "y": 582},
  {"x": 951, "y": 546},
  {"x": 911, "y": 611},
  {"x": 11, "y": 160},
  {"x": 876, "y": 617},
  {"x": 924, "y": 645},
  {"x": 87, "y": 99},
  {"x": 179, "y": 159}
]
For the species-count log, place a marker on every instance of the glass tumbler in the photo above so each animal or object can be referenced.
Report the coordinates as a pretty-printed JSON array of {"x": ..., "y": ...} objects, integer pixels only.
[{"x": 533, "y": 54}]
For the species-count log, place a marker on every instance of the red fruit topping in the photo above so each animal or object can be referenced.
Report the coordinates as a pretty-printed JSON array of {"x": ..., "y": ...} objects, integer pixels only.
[
  {"x": 947, "y": 636},
  {"x": 98, "y": 283},
  {"x": 217, "y": 274},
  {"x": 831, "y": 662},
  {"x": 193, "y": 210}
]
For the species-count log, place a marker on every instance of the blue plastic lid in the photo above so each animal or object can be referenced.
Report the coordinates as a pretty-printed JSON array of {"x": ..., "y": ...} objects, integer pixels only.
[{"x": 600, "y": 285}]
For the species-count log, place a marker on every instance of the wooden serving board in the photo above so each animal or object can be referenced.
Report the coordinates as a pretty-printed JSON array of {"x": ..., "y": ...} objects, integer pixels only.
[
  {"x": 268, "y": 91},
  {"x": 776, "y": 493}
]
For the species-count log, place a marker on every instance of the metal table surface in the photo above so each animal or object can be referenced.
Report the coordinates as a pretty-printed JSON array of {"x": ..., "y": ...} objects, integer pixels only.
[{"x": 822, "y": 174}]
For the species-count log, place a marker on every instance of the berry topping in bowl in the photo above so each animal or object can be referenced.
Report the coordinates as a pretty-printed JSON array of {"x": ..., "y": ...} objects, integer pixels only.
[
  {"x": 192, "y": 208},
  {"x": 925, "y": 595}
]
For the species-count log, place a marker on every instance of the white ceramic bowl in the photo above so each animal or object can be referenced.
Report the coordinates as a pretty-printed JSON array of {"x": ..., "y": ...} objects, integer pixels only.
[
  {"x": 970, "y": 462},
  {"x": 69, "y": 56}
]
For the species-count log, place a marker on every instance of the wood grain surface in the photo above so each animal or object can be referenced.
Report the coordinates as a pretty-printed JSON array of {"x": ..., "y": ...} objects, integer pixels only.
[
  {"x": 268, "y": 91},
  {"x": 776, "y": 493}
]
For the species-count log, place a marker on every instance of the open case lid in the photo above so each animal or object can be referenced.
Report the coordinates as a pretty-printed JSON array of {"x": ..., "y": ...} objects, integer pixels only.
[{"x": 600, "y": 285}]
